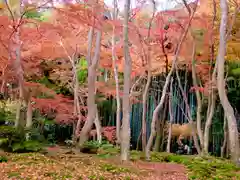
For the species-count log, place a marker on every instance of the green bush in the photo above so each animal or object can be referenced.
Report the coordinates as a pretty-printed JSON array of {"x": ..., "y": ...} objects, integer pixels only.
[
  {"x": 97, "y": 148},
  {"x": 8, "y": 131},
  {"x": 14, "y": 140},
  {"x": 3, "y": 159},
  {"x": 27, "y": 146}
]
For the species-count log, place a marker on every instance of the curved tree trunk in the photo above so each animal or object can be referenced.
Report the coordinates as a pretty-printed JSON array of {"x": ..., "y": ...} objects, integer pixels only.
[
  {"x": 92, "y": 74},
  {"x": 164, "y": 91},
  {"x": 210, "y": 112},
  {"x": 228, "y": 110},
  {"x": 189, "y": 115}
]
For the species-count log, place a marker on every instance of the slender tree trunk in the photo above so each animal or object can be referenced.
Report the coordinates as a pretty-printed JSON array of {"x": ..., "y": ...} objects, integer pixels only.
[
  {"x": 115, "y": 68},
  {"x": 2, "y": 86},
  {"x": 210, "y": 112},
  {"x": 212, "y": 88},
  {"x": 171, "y": 119},
  {"x": 223, "y": 147},
  {"x": 125, "y": 131},
  {"x": 92, "y": 74},
  {"x": 146, "y": 89},
  {"x": 18, "y": 67},
  {"x": 160, "y": 134},
  {"x": 189, "y": 115},
  {"x": 145, "y": 96},
  {"x": 98, "y": 126},
  {"x": 160, "y": 105},
  {"x": 198, "y": 95},
  {"x": 228, "y": 110},
  {"x": 29, "y": 121},
  {"x": 77, "y": 111},
  {"x": 75, "y": 87}
]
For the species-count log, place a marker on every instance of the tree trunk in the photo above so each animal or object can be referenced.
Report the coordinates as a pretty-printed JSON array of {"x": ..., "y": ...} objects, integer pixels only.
[
  {"x": 29, "y": 115},
  {"x": 19, "y": 71},
  {"x": 155, "y": 114},
  {"x": 92, "y": 74},
  {"x": 146, "y": 89},
  {"x": 125, "y": 131},
  {"x": 115, "y": 68},
  {"x": 228, "y": 110},
  {"x": 171, "y": 119},
  {"x": 75, "y": 87},
  {"x": 98, "y": 126},
  {"x": 189, "y": 115},
  {"x": 2, "y": 86},
  {"x": 223, "y": 147},
  {"x": 164, "y": 91},
  {"x": 76, "y": 106},
  {"x": 210, "y": 111},
  {"x": 144, "y": 123},
  {"x": 160, "y": 134},
  {"x": 212, "y": 90},
  {"x": 199, "y": 99}
]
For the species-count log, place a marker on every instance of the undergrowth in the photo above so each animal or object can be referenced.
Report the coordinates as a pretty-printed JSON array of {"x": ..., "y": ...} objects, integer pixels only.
[
  {"x": 201, "y": 168},
  {"x": 210, "y": 168}
]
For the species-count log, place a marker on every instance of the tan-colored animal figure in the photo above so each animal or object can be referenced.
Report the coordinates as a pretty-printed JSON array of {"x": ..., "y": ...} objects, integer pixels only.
[{"x": 182, "y": 131}]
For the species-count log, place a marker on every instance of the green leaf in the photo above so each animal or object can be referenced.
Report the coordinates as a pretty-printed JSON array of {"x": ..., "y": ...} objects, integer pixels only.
[
  {"x": 3, "y": 141},
  {"x": 17, "y": 147},
  {"x": 236, "y": 72}
]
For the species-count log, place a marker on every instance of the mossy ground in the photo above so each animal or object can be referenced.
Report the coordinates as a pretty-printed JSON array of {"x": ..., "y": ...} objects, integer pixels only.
[
  {"x": 106, "y": 165},
  {"x": 211, "y": 168}
]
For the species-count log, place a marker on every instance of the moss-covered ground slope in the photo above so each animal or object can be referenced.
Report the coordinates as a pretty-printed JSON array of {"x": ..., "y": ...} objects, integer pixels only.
[{"x": 56, "y": 164}]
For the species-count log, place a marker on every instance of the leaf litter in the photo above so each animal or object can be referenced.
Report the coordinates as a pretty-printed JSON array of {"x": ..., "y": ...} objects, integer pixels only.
[{"x": 36, "y": 166}]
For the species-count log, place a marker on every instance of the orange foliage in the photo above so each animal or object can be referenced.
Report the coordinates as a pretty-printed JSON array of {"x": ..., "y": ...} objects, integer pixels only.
[{"x": 69, "y": 27}]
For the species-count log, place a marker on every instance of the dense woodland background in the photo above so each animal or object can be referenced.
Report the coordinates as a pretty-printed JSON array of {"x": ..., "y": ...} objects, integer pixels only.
[{"x": 84, "y": 74}]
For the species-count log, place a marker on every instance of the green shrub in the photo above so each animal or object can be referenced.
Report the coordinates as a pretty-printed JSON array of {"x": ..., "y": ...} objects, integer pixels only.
[
  {"x": 27, "y": 146},
  {"x": 3, "y": 159},
  {"x": 3, "y": 141},
  {"x": 99, "y": 148},
  {"x": 9, "y": 135},
  {"x": 14, "y": 140},
  {"x": 90, "y": 147},
  {"x": 8, "y": 131}
]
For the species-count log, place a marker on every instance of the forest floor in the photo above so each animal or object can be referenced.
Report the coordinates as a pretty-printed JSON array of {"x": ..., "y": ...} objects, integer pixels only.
[{"x": 56, "y": 164}]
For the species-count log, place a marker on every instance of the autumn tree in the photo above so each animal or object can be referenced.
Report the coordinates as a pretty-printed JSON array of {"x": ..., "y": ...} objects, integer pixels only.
[
  {"x": 147, "y": 59},
  {"x": 183, "y": 35}
]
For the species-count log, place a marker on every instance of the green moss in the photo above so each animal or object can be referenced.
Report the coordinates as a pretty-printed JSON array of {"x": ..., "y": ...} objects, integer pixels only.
[
  {"x": 14, "y": 174},
  {"x": 92, "y": 177},
  {"x": 198, "y": 167},
  {"x": 113, "y": 169}
]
